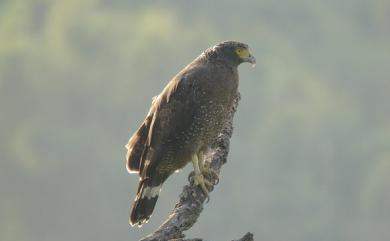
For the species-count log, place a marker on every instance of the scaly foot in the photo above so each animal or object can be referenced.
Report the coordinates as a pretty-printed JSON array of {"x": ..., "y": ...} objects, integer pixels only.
[
  {"x": 204, "y": 184},
  {"x": 209, "y": 173}
]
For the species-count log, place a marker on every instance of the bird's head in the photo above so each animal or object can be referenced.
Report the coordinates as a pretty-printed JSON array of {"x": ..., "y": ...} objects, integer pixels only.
[{"x": 232, "y": 52}]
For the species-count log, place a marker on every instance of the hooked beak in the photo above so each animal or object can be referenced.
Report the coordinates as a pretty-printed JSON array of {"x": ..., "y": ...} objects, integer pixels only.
[{"x": 250, "y": 59}]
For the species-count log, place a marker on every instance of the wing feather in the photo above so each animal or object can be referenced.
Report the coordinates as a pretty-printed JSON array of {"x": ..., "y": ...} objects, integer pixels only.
[
  {"x": 136, "y": 146},
  {"x": 172, "y": 112}
]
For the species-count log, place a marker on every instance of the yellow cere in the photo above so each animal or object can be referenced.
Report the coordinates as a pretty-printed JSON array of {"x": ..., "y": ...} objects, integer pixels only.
[{"x": 242, "y": 52}]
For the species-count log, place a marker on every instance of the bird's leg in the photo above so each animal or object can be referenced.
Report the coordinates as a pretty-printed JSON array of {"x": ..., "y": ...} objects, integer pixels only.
[
  {"x": 198, "y": 177},
  {"x": 206, "y": 169}
]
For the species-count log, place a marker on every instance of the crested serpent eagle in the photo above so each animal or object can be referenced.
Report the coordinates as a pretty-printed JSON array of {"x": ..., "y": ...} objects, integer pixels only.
[{"x": 183, "y": 121}]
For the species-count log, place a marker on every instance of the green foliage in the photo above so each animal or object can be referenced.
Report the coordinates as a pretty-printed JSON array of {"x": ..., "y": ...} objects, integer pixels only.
[{"x": 310, "y": 153}]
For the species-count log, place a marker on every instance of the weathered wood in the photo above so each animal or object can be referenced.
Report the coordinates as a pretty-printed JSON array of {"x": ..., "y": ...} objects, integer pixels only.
[{"x": 191, "y": 200}]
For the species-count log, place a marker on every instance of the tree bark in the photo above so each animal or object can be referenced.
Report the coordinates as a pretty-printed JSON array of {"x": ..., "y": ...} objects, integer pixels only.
[{"x": 191, "y": 200}]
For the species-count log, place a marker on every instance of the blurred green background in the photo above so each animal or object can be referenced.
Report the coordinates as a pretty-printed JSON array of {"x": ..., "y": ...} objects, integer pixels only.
[{"x": 310, "y": 155}]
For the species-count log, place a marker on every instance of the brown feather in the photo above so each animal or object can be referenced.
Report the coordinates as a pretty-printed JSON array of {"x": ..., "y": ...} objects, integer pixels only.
[
  {"x": 183, "y": 120},
  {"x": 136, "y": 146}
]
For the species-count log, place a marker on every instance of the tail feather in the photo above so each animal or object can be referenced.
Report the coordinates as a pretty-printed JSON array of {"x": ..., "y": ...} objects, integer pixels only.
[{"x": 144, "y": 202}]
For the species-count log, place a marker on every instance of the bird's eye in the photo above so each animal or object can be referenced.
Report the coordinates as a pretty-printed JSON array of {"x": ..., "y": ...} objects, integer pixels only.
[{"x": 239, "y": 52}]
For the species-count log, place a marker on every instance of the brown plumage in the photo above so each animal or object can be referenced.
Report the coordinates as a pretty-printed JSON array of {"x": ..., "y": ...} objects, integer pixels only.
[{"x": 183, "y": 121}]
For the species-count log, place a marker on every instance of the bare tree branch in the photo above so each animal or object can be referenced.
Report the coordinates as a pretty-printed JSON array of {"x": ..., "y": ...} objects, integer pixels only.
[
  {"x": 247, "y": 237},
  {"x": 190, "y": 204}
]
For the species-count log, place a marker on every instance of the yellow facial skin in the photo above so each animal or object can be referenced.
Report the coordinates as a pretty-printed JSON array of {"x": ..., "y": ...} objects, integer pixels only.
[{"x": 245, "y": 55}]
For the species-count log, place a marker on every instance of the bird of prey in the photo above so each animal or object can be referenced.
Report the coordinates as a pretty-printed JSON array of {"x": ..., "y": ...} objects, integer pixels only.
[{"x": 183, "y": 121}]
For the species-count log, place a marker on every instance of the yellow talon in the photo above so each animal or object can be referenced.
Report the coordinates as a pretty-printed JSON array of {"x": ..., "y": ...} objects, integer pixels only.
[
  {"x": 204, "y": 184},
  {"x": 208, "y": 172},
  {"x": 199, "y": 178}
]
